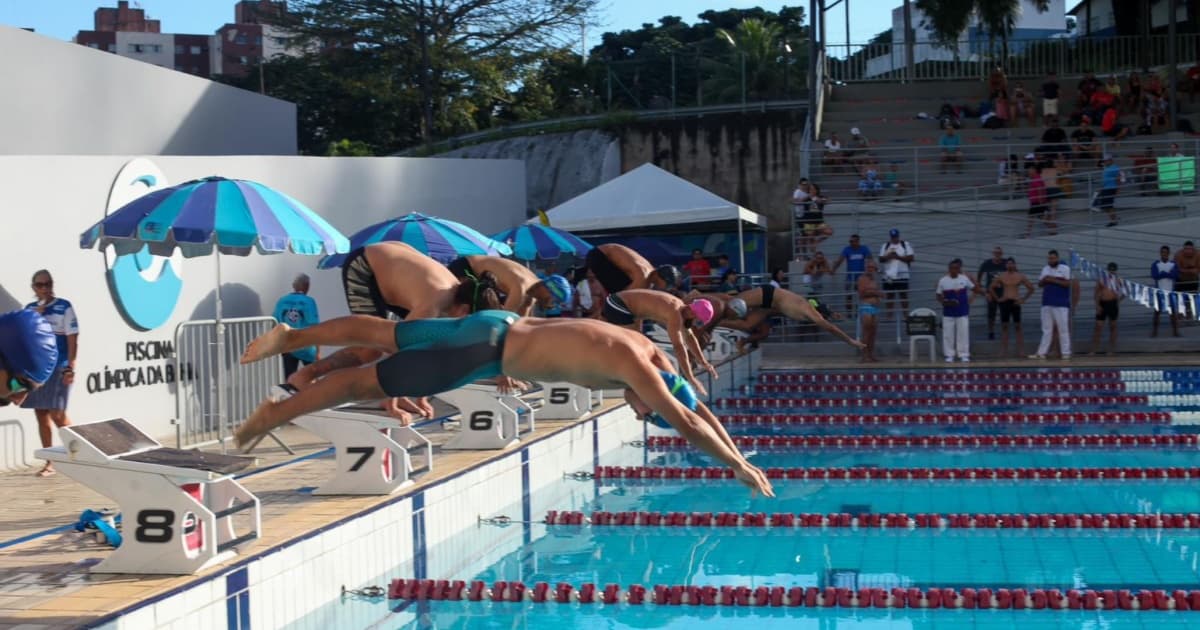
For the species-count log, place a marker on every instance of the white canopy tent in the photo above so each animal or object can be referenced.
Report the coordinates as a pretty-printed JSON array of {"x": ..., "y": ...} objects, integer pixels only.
[{"x": 648, "y": 196}]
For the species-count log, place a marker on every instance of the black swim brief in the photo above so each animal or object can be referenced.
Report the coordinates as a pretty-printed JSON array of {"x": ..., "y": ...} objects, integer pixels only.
[
  {"x": 616, "y": 312},
  {"x": 362, "y": 291},
  {"x": 1010, "y": 310},
  {"x": 1109, "y": 310},
  {"x": 768, "y": 295},
  {"x": 610, "y": 276}
]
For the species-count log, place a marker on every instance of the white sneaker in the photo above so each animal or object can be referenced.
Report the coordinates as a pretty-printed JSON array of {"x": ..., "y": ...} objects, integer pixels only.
[
  {"x": 949, "y": 359},
  {"x": 966, "y": 359},
  {"x": 1037, "y": 356}
]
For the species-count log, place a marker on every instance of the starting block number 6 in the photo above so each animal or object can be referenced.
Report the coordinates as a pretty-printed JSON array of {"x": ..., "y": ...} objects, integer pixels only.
[{"x": 481, "y": 421}]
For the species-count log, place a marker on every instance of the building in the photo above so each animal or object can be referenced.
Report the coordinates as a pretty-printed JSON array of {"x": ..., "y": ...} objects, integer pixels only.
[
  {"x": 1097, "y": 18},
  {"x": 233, "y": 50}
]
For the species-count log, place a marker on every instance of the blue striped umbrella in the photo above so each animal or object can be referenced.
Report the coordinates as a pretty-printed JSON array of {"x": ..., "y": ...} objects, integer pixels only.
[
  {"x": 440, "y": 239},
  {"x": 234, "y": 216},
  {"x": 534, "y": 241}
]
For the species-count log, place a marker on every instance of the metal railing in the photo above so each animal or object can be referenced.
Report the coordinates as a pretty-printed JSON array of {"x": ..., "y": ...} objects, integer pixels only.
[
  {"x": 197, "y": 420},
  {"x": 974, "y": 58}
]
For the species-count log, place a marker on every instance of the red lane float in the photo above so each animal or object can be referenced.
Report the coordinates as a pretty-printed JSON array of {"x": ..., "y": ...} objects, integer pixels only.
[
  {"x": 959, "y": 418},
  {"x": 1107, "y": 442},
  {"x": 942, "y": 376},
  {"x": 929, "y": 401},
  {"x": 871, "y": 473},
  {"x": 1142, "y": 600},
  {"x": 877, "y": 520},
  {"x": 1005, "y": 387}
]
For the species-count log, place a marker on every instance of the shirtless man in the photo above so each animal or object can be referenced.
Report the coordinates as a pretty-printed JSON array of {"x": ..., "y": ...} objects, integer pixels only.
[
  {"x": 1107, "y": 309},
  {"x": 1008, "y": 286},
  {"x": 869, "y": 295},
  {"x": 618, "y": 268},
  {"x": 519, "y": 285},
  {"x": 770, "y": 301},
  {"x": 627, "y": 308},
  {"x": 437, "y": 355},
  {"x": 393, "y": 279}
]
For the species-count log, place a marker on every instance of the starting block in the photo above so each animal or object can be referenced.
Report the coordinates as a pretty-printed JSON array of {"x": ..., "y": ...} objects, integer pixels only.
[
  {"x": 176, "y": 504},
  {"x": 372, "y": 452},
  {"x": 567, "y": 401},
  {"x": 489, "y": 420}
]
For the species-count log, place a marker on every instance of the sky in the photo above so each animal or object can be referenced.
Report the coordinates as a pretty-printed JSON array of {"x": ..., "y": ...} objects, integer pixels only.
[{"x": 61, "y": 19}]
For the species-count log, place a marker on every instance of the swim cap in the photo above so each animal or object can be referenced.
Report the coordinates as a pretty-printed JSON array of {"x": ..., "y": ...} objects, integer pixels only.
[
  {"x": 681, "y": 390},
  {"x": 703, "y": 310},
  {"x": 738, "y": 306},
  {"x": 669, "y": 274},
  {"x": 559, "y": 288},
  {"x": 28, "y": 346}
]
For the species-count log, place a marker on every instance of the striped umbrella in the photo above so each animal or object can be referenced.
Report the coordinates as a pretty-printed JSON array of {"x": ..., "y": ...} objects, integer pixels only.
[
  {"x": 234, "y": 216},
  {"x": 440, "y": 239},
  {"x": 532, "y": 241}
]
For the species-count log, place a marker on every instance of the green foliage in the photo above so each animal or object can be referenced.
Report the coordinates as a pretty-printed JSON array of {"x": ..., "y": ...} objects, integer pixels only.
[
  {"x": 949, "y": 18},
  {"x": 349, "y": 148}
]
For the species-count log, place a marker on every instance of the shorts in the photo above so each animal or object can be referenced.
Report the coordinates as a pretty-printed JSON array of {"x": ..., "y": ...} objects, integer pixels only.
[
  {"x": 611, "y": 277},
  {"x": 892, "y": 286},
  {"x": 53, "y": 394},
  {"x": 1104, "y": 198},
  {"x": 1108, "y": 310},
  {"x": 867, "y": 309},
  {"x": 362, "y": 290},
  {"x": 438, "y": 355},
  {"x": 1191, "y": 285},
  {"x": 461, "y": 268},
  {"x": 616, "y": 312},
  {"x": 1049, "y": 107},
  {"x": 1010, "y": 311},
  {"x": 1053, "y": 193},
  {"x": 1037, "y": 210},
  {"x": 768, "y": 295},
  {"x": 810, "y": 229}
]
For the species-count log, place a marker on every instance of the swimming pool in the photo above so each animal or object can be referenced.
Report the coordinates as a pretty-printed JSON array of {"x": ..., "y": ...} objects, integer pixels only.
[{"x": 948, "y": 536}]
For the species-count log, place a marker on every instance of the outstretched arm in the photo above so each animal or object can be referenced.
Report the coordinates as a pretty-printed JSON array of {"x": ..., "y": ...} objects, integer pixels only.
[
  {"x": 675, "y": 332},
  {"x": 697, "y": 351},
  {"x": 801, "y": 309}
]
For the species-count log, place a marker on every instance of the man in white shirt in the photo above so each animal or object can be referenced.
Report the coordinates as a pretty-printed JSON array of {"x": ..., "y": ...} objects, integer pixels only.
[
  {"x": 1165, "y": 272},
  {"x": 895, "y": 256},
  {"x": 1055, "y": 281},
  {"x": 955, "y": 292}
]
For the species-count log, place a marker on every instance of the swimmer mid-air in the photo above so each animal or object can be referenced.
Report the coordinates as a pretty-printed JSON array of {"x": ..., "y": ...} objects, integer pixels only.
[
  {"x": 628, "y": 307},
  {"x": 521, "y": 288},
  {"x": 437, "y": 355},
  {"x": 767, "y": 301}
]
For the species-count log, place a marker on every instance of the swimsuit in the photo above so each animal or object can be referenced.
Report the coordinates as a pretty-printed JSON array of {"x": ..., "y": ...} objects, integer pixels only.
[
  {"x": 438, "y": 355},
  {"x": 768, "y": 295},
  {"x": 609, "y": 275},
  {"x": 616, "y": 312},
  {"x": 362, "y": 290},
  {"x": 1108, "y": 310},
  {"x": 1010, "y": 310}
]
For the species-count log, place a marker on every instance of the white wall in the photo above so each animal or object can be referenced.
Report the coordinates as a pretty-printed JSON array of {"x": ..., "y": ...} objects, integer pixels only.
[
  {"x": 163, "y": 56},
  {"x": 52, "y": 199},
  {"x": 65, "y": 99}
]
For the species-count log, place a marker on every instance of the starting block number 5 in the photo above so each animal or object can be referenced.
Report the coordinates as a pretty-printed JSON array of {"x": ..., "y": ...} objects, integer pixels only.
[{"x": 565, "y": 401}]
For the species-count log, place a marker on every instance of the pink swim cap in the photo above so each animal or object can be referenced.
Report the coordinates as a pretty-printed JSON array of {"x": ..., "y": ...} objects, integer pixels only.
[{"x": 703, "y": 310}]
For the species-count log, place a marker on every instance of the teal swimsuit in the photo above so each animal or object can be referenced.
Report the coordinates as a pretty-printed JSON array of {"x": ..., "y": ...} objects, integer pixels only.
[{"x": 438, "y": 355}]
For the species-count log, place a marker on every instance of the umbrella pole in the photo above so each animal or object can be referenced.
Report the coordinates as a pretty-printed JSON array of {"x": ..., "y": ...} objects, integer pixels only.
[{"x": 220, "y": 371}]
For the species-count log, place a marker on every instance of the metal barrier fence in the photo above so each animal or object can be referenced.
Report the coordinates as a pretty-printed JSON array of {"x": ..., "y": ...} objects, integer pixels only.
[
  {"x": 197, "y": 420},
  {"x": 1027, "y": 58}
]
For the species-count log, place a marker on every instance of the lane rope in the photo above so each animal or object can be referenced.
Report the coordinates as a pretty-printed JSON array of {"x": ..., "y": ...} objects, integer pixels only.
[
  {"x": 1113, "y": 473},
  {"x": 891, "y": 520},
  {"x": 1107, "y": 442}
]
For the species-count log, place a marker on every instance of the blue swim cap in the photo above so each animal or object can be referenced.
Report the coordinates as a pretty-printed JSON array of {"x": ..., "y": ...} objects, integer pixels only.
[
  {"x": 28, "y": 347},
  {"x": 559, "y": 289},
  {"x": 681, "y": 390}
]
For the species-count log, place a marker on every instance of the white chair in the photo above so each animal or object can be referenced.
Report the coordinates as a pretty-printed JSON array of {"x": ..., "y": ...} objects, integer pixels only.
[{"x": 921, "y": 325}]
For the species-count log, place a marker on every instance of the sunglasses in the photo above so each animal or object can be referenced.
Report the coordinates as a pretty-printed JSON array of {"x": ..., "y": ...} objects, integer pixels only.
[{"x": 43, "y": 285}]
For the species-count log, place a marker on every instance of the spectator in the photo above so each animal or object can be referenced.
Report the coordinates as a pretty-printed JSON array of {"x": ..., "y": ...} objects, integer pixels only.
[
  {"x": 813, "y": 228},
  {"x": 997, "y": 82},
  {"x": 1133, "y": 96},
  {"x": 1188, "y": 261},
  {"x": 896, "y": 256},
  {"x": 778, "y": 278},
  {"x": 718, "y": 272},
  {"x": 860, "y": 148},
  {"x": 948, "y": 117},
  {"x": 834, "y": 156},
  {"x": 951, "y": 146},
  {"x": 1174, "y": 151},
  {"x": 49, "y": 402},
  {"x": 955, "y": 292},
  {"x": 298, "y": 310},
  {"x": 1110, "y": 181},
  {"x": 815, "y": 271},
  {"x": 1083, "y": 142},
  {"x": 1063, "y": 166},
  {"x": 698, "y": 269},
  {"x": 1053, "y": 194},
  {"x": 1165, "y": 273},
  {"x": 870, "y": 185},
  {"x": 1108, "y": 300},
  {"x": 729, "y": 282},
  {"x": 1022, "y": 105},
  {"x": 1054, "y": 141},
  {"x": 591, "y": 295},
  {"x": 801, "y": 197},
  {"x": 867, "y": 288},
  {"x": 1112, "y": 126},
  {"x": 1001, "y": 105},
  {"x": 891, "y": 180},
  {"x": 1086, "y": 88},
  {"x": 855, "y": 255},
  {"x": 1049, "y": 98},
  {"x": 1113, "y": 88},
  {"x": 1145, "y": 171},
  {"x": 1156, "y": 101},
  {"x": 1008, "y": 287},
  {"x": 1055, "y": 281},
  {"x": 988, "y": 271},
  {"x": 1035, "y": 188}
]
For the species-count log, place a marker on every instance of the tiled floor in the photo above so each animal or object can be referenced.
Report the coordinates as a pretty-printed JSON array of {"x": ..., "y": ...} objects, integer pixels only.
[{"x": 45, "y": 582}]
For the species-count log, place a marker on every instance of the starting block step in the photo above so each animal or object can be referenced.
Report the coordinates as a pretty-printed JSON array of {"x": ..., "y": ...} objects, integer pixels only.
[
  {"x": 176, "y": 505},
  {"x": 373, "y": 452},
  {"x": 489, "y": 419}
]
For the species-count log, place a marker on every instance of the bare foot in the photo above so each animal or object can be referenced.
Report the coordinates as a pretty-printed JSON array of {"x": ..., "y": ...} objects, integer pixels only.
[
  {"x": 257, "y": 425},
  {"x": 268, "y": 344}
]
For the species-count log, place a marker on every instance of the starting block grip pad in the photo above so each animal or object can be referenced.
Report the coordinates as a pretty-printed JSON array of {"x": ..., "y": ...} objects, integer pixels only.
[
  {"x": 372, "y": 452},
  {"x": 177, "y": 506}
]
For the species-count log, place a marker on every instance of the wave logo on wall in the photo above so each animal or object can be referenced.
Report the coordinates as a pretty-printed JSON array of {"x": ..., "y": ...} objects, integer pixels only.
[{"x": 145, "y": 288}]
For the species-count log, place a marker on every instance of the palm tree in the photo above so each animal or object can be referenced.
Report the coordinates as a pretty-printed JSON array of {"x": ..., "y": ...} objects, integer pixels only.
[
  {"x": 949, "y": 18},
  {"x": 757, "y": 50}
]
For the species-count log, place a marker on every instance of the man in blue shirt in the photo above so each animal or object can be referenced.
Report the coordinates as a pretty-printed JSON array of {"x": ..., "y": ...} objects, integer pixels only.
[
  {"x": 1055, "y": 281},
  {"x": 855, "y": 255},
  {"x": 1109, "y": 182},
  {"x": 298, "y": 310}
]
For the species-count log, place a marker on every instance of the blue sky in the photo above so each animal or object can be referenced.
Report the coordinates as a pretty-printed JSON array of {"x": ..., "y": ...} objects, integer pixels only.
[{"x": 63, "y": 18}]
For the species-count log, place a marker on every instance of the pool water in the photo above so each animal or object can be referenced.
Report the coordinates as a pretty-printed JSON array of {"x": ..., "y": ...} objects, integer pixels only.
[{"x": 860, "y": 557}]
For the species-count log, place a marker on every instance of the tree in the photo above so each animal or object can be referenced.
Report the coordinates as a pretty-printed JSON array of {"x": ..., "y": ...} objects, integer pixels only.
[
  {"x": 754, "y": 62},
  {"x": 949, "y": 18}
]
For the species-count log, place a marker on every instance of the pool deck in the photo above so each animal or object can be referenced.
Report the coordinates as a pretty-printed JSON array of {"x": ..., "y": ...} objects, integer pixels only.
[{"x": 44, "y": 579}]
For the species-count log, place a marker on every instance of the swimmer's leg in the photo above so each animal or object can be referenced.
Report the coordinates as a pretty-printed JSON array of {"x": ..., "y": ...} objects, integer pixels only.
[
  {"x": 340, "y": 387},
  {"x": 353, "y": 330}
]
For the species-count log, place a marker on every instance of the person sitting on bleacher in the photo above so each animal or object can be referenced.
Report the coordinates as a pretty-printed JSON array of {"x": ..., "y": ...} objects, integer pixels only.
[
  {"x": 834, "y": 156},
  {"x": 951, "y": 146},
  {"x": 1087, "y": 86},
  {"x": 870, "y": 185},
  {"x": 1083, "y": 141},
  {"x": 860, "y": 148}
]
